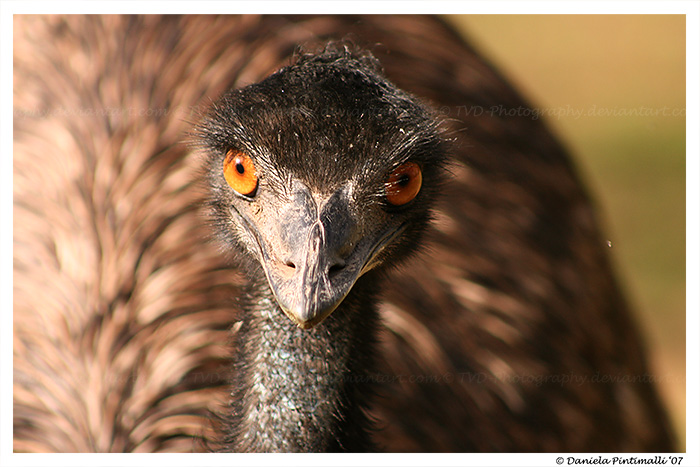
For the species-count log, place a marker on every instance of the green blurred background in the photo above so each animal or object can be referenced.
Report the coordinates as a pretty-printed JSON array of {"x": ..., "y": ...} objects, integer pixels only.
[{"x": 634, "y": 165}]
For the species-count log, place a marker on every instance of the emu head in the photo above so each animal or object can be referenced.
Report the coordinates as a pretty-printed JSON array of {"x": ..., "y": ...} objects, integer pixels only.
[{"x": 319, "y": 174}]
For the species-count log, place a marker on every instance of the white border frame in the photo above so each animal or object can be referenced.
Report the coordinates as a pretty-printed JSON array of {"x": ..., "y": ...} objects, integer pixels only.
[{"x": 9, "y": 8}]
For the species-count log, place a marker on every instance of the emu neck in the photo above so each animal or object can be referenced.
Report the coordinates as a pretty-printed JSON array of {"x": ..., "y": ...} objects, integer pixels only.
[{"x": 303, "y": 390}]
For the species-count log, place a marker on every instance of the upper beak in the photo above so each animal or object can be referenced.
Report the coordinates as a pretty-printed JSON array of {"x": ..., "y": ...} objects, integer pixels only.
[
  {"x": 310, "y": 266},
  {"x": 312, "y": 256},
  {"x": 303, "y": 287}
]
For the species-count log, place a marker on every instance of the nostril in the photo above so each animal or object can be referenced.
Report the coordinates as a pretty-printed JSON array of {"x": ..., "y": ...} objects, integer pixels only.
[
  {"x": 289, "y": 264},
  {"x": 336, "y": 268}
]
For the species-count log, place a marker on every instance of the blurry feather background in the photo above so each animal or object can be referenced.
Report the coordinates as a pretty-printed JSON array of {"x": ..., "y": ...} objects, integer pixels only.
[{"x": 614, "y": 87}]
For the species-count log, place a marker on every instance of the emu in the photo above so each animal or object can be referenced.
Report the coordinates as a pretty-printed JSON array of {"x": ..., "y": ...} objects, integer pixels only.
[{"x": 383, "y": 277}]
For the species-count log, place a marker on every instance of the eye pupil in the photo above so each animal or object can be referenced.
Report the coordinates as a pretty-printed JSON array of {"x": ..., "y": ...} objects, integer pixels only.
[
  {"x": 403, "y": 180},
  {"x": 239, "y": 167}
]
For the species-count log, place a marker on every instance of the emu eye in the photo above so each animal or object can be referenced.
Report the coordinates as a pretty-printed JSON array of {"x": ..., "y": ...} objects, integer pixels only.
[
  {"x": 239, "y": 172},
  {"x": 403, "y": 184}
]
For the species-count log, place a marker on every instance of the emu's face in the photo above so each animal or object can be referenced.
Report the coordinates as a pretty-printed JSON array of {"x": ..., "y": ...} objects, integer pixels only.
[{"x": 321, "y": 173}]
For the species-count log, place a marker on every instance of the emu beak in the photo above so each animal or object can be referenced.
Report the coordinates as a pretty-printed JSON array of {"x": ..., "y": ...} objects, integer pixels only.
[
  {"x": 312, "y": 255},
  {"x": 308, "y": 292}
]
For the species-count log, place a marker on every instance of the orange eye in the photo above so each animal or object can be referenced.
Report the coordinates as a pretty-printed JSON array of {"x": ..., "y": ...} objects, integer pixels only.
[
  {"x": 239, "y": 172},
  {"x": 403, "y": 184}
]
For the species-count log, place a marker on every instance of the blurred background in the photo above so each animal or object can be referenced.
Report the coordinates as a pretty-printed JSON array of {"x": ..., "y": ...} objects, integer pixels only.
[{"x": 616, "y": 87}]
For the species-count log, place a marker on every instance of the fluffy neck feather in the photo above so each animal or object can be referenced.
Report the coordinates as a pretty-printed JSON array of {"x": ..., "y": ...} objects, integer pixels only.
[{"x": 303, "y": 390}]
